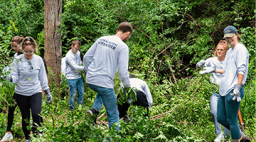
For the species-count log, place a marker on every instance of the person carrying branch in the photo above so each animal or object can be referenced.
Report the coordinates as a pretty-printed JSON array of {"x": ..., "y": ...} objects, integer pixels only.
[
  {"x": 29, "y": 74},
  {"x": 231, "y": 90},
  {"x": 101, "y": 62},
  {"x": 144, "y": 97},
  {"x": 16, "y": 45},
  {"x": 74, "y": 78}
]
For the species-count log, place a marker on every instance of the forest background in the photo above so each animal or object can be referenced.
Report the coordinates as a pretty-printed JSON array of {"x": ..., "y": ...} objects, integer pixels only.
[{"x": 169, "y": 38}]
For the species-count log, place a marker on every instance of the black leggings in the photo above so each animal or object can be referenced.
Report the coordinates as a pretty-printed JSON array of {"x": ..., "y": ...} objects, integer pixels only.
[
  {"x": 11, "y": 114},
  {"x": 26, "y": 103},
  {"x": 141, "y": 101}
]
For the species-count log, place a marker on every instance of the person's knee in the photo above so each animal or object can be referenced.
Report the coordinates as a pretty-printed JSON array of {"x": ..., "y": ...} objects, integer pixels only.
[{"x": 220, "y": 119}]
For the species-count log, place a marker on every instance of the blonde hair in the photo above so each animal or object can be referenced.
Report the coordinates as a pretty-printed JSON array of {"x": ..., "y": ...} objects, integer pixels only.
[
  {"x": 29, "y": 41},
  {"x": 221, "y": 43}
]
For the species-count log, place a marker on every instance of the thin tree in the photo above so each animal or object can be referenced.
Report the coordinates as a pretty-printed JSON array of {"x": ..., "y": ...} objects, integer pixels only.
[{"x": 52, "y": 41}]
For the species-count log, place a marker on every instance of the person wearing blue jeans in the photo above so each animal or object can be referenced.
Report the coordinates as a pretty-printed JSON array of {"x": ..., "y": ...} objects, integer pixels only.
[
  {"x": 74, "y": 78},
  {"x": 211, "y": 64},
  {"x": 76, "y": 84},
  {"x": 101, "y": 62},
  {"x": 213, "y": 104},
  {"x": 232, "y": 84},
  {"x": 107, "y": 97}
]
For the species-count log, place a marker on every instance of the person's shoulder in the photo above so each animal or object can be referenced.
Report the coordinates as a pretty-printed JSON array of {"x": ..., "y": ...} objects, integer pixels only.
[
  {"x": 19, "y": 56},
  {"x": 138, "y": 80},
  {"x": 68, "y": 54},
  {"x": 240, "y": 46},
  {"x": 37, "y": 57},
  {"x": 211, "y": 59}
]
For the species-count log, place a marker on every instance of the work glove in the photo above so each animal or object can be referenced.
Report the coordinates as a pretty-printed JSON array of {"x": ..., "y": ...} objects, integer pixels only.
[
  {"x": 236, "y": 93},
  {"x": 49, "y": 95},
  {"x": 207, "y": 70},
  {"x": 200, "y": 64}
]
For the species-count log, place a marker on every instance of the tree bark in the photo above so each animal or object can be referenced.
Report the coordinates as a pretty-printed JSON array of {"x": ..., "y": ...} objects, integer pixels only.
[{"x": 52, "y": 39}]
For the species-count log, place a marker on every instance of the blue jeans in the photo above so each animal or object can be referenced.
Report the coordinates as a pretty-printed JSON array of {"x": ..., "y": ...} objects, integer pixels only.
[
  {"x": 227, "y": 113},
  {"x": 213, "y": 104},
  {"x": 76, "y": 84},
  {"x": 107, "y": 97}
]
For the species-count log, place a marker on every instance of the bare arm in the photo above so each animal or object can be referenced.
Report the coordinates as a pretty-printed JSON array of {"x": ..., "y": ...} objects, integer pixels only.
[
  {"x": 221, "y": 71},
  {"x": 240, "y": 78}
]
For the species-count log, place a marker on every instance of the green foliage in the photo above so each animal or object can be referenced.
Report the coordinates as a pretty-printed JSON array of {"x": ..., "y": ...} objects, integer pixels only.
[{"x": 169, "y": 38}]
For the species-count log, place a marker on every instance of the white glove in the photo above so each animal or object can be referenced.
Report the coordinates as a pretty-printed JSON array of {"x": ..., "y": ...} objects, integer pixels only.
[
  {"x": 207, "y": 70},
  {"x": 200, "y": 64},
  {"x": 236, "y": 93},
  {"x": 49, "y": 95}
]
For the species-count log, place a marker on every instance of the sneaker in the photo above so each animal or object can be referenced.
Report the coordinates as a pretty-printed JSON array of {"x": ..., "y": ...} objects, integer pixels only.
[
  {"x": 219, "y": 138},
  {"x": 245, "y": 138},
  {"x": 90, "y": 113},
  {"x": 7, "y": 137}
]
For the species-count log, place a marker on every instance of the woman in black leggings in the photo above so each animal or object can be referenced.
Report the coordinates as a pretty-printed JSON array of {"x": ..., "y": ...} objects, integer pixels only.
[
  {"x": 28, "y": 72},
  {"x": 15, "y": 43}
]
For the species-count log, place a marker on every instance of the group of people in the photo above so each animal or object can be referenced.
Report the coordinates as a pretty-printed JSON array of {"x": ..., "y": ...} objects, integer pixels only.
[
  {"x": 100, "y": 63},
  {"x": 29, "y": 73},
  {"x": 229, "y": 73}
]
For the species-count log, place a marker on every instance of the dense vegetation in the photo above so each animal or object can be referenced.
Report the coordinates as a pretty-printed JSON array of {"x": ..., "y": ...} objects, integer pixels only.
[{"x": 169, "y": 37}]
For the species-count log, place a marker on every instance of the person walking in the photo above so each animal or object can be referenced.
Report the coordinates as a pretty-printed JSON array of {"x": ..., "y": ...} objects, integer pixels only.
[
  {"x": 211, "y": 64},
  {"x": 101, "y": 62},
  {"x": 74, "y": 78},
  {"x": 29, "y": 74},
  {"x": 144, "y": 97},
  {"x": 231, "y": 90},
  {"x": 232, "y": 84},
  {"x": 16, "y": 44}
]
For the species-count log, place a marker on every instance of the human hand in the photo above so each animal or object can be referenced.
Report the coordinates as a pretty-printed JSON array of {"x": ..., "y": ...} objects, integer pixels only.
[
  {"x": 49, "y": 95},
  {"x": 207, "y": 70},
  {"x": 236, "y": 93},
  {"x": 200, "y": 64}
]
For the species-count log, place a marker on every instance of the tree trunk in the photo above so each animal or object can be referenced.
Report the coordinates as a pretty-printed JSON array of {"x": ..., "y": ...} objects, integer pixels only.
[{"x": 52, "y": 39}]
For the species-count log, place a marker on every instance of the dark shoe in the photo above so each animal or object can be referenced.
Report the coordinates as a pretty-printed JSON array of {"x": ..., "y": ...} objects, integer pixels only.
[{"x": 92, "y": 112}]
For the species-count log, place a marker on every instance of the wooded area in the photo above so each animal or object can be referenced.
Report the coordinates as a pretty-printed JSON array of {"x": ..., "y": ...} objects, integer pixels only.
[{"x": 169, "y": 38}]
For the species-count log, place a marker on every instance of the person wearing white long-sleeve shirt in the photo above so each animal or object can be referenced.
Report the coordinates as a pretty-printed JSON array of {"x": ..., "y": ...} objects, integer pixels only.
[
  {"x": 72, "y": 72},
  {"x": 16, "y": 45},
  {"x": 232, "y": 84},
  {"x": 215, "y": 78},
  {"x": 101, "y": 62},
  {"x": 144, "y": 97},
  {"x": 29, "y": 74}
]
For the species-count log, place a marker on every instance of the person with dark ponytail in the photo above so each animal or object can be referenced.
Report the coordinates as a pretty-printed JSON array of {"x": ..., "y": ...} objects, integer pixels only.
[{"x": 16, "y": 45}]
